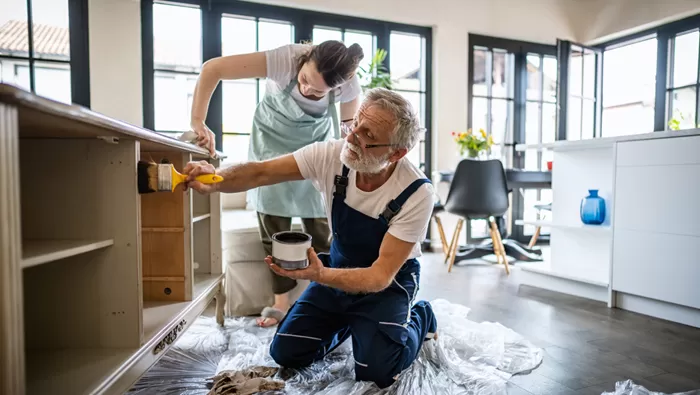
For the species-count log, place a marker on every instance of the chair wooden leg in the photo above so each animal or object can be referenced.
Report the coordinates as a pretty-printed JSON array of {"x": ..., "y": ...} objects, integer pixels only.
[
  {"x": 443, "y": 239},
  {"x": 533, "y": 240},
  {"x": 452, "y": 243},
  {"x": 455, "y": 244},
  {"x": 499, "y": 243},
  {"x": 496, "y": 249}
]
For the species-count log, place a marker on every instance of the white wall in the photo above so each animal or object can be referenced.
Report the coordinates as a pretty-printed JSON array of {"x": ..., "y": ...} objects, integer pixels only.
[
  {"x": 603, "y": 20},
  {"x": 115, "y": 59}
]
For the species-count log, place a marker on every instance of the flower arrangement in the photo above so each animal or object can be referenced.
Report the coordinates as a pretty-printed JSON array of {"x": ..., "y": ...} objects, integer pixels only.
[{"x": 472, "y": 143}]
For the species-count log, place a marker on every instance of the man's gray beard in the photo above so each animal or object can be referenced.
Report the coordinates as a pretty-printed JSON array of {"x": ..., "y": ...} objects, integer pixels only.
[{"x": 363, "y": 164}]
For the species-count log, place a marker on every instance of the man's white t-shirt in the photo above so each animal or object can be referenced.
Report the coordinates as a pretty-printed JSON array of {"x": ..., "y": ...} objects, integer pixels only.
[
  {"x": 320, "y": 163},
  {"x": 282, "y": 68}
]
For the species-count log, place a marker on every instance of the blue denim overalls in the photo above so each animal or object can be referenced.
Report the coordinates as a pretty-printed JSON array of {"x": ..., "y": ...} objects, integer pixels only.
[{"x": 387, "y": 329}]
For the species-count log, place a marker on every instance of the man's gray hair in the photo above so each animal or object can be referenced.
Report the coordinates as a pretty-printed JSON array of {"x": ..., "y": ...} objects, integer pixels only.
[{"x": 407, "y": 129}]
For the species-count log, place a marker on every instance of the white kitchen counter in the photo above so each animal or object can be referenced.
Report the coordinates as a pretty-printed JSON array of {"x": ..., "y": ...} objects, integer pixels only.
[
  {"x": 645, "y": 257},
  {"x": 565, "y": 145}
]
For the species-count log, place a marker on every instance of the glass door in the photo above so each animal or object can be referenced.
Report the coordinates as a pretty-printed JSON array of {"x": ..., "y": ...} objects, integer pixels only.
[{"x": 580, "y": 69}]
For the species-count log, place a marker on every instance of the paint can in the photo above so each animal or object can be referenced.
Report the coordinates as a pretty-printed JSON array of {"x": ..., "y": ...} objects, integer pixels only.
[{"x": 290, "y": 249}]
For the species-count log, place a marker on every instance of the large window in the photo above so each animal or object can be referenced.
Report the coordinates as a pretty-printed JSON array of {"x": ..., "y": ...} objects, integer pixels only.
[
  {"x": 682, "y": 86},
  {"x": 178, "y": 36},
  {"x": 513, "y": 97},
  {"x": 177, "y": 60},
  {"x": 493, "y": 95},
  {"x": 650, "y": 81},
  {"x": 582, "y": 93},
  {"x": 241, "y": 34},
  {"x": 38, "y": 53},
  {"x": 629, "y": 88},
  {"x": 407, "y": 60}
]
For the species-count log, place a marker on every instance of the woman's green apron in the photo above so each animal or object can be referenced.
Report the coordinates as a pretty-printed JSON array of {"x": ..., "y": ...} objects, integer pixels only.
[{"x": 280, "y": 127}]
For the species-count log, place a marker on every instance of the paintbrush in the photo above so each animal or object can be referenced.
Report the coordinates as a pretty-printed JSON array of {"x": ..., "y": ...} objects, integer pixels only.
[{"x": 154, "y": 177}]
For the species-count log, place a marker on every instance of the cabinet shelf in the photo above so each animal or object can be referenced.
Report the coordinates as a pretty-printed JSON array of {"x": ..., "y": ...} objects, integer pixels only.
[
  {"x": 549, "y": 224},
  {"x": 72, "y": 371},
  {"x": 37, "y": 252},
  {"x": 158, "y": 315}
]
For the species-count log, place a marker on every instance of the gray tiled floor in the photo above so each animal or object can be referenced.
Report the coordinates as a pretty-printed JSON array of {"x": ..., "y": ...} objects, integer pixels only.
[{"x": 587, "y": 347}]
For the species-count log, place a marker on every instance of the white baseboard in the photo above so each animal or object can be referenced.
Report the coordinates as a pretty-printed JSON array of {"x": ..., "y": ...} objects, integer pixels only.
[
  {"x": 655, "y": 308},
  {"x": 563, "y": 285}
]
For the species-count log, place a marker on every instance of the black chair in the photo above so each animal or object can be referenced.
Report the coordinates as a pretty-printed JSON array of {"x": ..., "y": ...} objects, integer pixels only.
[{"x": 479, "y": 190}]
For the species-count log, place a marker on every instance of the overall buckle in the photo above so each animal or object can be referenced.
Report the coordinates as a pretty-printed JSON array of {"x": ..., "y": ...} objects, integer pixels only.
[
  {"x": 391, "y": 210},
  {"x": 341, "y": 184}
]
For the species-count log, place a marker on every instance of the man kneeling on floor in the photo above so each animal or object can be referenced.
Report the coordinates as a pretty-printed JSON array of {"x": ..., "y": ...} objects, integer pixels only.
[{"x": 378, "y": 205}]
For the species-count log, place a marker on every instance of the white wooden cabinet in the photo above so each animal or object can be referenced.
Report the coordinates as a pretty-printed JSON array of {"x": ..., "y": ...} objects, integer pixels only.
[{"x": 96, "y": 281}]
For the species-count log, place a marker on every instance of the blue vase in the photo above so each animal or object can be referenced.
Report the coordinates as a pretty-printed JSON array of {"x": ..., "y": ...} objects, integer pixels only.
[{"x": 593, "y": 208}]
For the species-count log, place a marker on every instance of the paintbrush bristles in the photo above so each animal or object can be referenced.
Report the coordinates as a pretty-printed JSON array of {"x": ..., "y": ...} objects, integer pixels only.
[{"x": 148, "y": 179}]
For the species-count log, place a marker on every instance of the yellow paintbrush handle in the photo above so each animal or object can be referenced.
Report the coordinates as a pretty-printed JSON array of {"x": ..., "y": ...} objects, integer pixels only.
[{"x": 209, "y": 178}]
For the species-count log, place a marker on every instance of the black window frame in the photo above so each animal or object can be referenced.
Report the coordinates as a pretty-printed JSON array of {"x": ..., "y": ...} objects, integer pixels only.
[
  {"x": 520, "y": 49},
  {"x": 79, "y": 62},
  {"x": 664, "y": 64},
  {"x": 303, "y": 21}
]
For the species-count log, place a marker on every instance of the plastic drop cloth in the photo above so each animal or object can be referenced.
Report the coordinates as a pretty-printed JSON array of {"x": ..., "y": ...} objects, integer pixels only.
[
  {"x": 628, "y": 387},
  {"x": 468, "y": 358}
]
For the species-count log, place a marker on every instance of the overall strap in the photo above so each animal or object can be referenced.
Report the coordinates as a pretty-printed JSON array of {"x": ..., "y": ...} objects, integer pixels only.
[
  {"x": 395, "y": 205},
  {"x": 341, "y": 183}
]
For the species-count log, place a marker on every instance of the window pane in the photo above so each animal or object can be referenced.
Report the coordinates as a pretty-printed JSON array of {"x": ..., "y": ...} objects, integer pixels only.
[
  {"x": 236, "y": 148},
  {"x": 239, "y": 101},
  {"x": 52, "y": 80},
  {"x": 177, "y": 37},
  {"x": 274, "y": 34},
  {"x": 628, "y": 96},
  {"x": 533, "y": 77},
  {"x": 549, "y": 71},
  {"x": 15, "y": 72},
  {"x": 237, "y": 35},
  {"x": 173, "y": 100},
  {"x": 589, "y": 73},
  {"x": 321, "y": 34},
  {"x": 406, "y": 59},
  {"x": 588, "y": 120},
  {"x": 573, "y": 126},
  {"x": 685, "y": 59},
  {"x": 575, "y": 70},
  {"x": 13, "y": 19},
  {"x": 479, "y": 113},
  {"x": 416, "y": 99},
  {"x": 366, "y": 41},
  {"x": 532, "y": 133},
  {"x": 501, "y": 120},
  {"x": 683, "y": 107},
  {"x": 50, "y": 29},
  {"x": 549, "y": 122},
  {"x": 482, "y": 58},
  {"x": 503, "y": 74}
]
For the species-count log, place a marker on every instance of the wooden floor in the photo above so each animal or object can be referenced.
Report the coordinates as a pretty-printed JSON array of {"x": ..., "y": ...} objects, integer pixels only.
[{"x": 587, "y": 346}]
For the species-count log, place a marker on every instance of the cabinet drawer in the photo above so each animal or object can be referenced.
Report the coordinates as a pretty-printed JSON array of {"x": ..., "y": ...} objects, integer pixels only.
[
  {"x": 658, "y": 199},
  {"x": 657, "y": 266},
  {"x": 668, "y": 151}
]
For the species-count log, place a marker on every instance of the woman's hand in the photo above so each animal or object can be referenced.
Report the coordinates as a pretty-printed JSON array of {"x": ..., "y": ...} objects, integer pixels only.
[
  {"x": 311, "y": 272},
  {"x": 194, "y": 169},
  {"x": 205, "y": 137}
]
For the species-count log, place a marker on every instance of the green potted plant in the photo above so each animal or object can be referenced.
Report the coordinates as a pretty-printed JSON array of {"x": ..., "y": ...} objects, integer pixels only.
[
  {"x": 472, "y": 144},
  {"x": 378, "y": 75}
]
